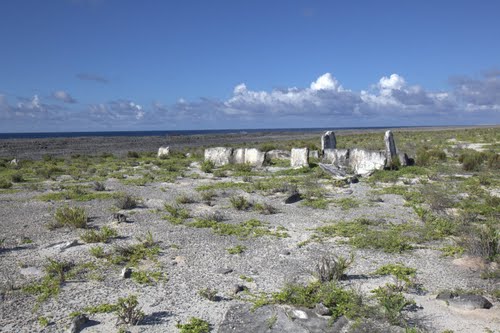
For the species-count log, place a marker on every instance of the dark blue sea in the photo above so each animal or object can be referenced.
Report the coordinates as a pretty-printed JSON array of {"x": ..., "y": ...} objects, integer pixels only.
[{"x": 176, "y": 133}]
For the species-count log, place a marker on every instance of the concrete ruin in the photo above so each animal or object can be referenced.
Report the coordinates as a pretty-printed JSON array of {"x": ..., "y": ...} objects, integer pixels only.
[
  {"x": 390, "y": 148},
  {"x": 219, "y": 156},
  {"x": 163, "y": 152},
  {"x": 328, "y": 141},
  {"x": 299, "y": 157}
]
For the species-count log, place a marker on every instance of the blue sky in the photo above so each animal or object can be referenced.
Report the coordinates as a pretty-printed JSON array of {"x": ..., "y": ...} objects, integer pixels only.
[{"x": 91, "y": 65}]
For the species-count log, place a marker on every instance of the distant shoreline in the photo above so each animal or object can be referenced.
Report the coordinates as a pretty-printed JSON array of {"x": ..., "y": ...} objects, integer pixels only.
[
  {"x": 40, "y": 135},
  {"x": 36, "y": 148}
]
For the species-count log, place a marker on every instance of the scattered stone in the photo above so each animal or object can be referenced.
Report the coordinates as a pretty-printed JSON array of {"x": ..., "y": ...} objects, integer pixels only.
[
  {"x": 163, "y": 152},
  {"x": 313, "y": 154},
  {"x": 322, "y": 310},
  {"x": 285, "y": 252},
  {"x": 339, "y": 324},
  {"x": 278, "y": 154},
  {"x": 238, "y": 288},
  {"x": 364, "y": 162},
  {"x": 299, "y": 157},
  {"x": 77, "y": 323},
  {"x": 68, "y": 244},
  {"x": 333, "y": 170},
  {"x": 240, "y": 318},
  {"x": 14, "y": 162},
  {"x": 224, "y": 271},
  {"x": 126, "y": 272},
  {"x": 299, "y": 314},
  {"x": 119, "y": 217},
  {"x": 464, "y": 301},
  {"x": 390, "y": 148},
  {"x": 219, "y": 155},
  {"x": 238, "y": 156},
  {"x": 254, "y": 157},
  {"x": 404, "y": 160},
  {"x": 293, "y": 198},
  {"x": 337, "y": 157},
  {"x": 328, "y": 141}
]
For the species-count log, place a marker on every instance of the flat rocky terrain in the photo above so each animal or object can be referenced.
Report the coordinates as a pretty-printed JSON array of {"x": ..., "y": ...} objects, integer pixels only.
[{"x": 409, "y": 250}]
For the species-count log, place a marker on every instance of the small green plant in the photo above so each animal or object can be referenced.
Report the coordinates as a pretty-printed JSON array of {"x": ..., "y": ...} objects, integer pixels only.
[
  {"x": 393, "y": 303},
  {"x": 43, "y": 321},
  {"x": 4, "y": 183},
  {"x": 185, "y": 199},
  {"x": 271, "y": 321},
  {"x": 236, "y": 249},
  {"x": 208, "y": 293},
  {"x": 58, "y": 269},
  {"x": 347, "y": 203},
  {"x": 17, "y": 178},
  {"x": 207, "y": 166},
  {"x": 127, "y": 311},
  {"x": 66, "y": 216},
  {"x": 239, "y": 202},
  {"x": 207, "y": 196},
  {"x": 246, "y": 278},
  {"x": 97, "y": 251},
  {"x": 126, "y": 201},
  {"x": 265, "y": 208},
  {"x": 331, "y": 268},
  {"x": 399, "y": 271},
  {"x": 99, "y": 186},
  {"x": 177, "y": 214},
  {"x": 144, "y": 277},
  {"x": 452, "y": 250},
  {"x": 195, "y": 325},
  {"x": 101, "y": 236}
]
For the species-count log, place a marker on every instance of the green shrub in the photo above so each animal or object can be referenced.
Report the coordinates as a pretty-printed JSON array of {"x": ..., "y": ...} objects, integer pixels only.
[
  {"x": 5, "y": 184},
  {"x": 97, "y": 251},
  {"x": 332, "y": 268},
  {"x": 207, "y": 166},
  {"x": 126, "y": 201},
  {"x": 66, "y": 216},
  {"x": 393, "y": 303},
  {"x": 236, "y": 249},
  {"x": 185, "y": 199},
  {"x": 57, "y": 269},
  {"x": 208, "y": 293},
  {"x": 132, "y": 154},
  {"x": 195, "y": 325},
  {"x": 101, "y": 236},
  {"x": 399, "y": 271},
  {"x": 265, "y": 208},
  {"x": 239, "y": 202},
  {"x": 127, "y": 311},
  {"x": 17, "y": 178}
]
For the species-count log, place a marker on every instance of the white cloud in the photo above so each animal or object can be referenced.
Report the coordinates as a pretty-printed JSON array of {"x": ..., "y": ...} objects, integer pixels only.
[
  {"x": 63, "y": 96},
  {"x": 326, "y": 82}
]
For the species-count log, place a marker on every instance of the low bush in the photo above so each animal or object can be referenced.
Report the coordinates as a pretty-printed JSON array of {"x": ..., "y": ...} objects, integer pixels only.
[
  {"x": 195, "y": 325},
  {"x": 207, "y": 166},
  {"x": 208, "y": 293},
  {"x": 74, "y": 217},
  {"x": 127, "y": 311},
  {"x": 126, "y": 201},
  {"x": 239, "y": 202},
  {"x": 101, "y": 236},
  {"x": 331, "y": 268}
]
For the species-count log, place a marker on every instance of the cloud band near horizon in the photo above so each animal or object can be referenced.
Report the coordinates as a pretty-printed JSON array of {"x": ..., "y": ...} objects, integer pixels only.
[{"x": 324, "y": 103}]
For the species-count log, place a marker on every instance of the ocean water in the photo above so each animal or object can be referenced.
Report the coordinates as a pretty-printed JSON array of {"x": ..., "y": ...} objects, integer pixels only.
[{"x": 176, "y": 133}]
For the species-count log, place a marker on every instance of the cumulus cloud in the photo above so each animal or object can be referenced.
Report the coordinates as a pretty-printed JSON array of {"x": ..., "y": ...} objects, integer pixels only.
[
  {"x": 390, "y": 101},
  {"x": 63, "y": 96}
]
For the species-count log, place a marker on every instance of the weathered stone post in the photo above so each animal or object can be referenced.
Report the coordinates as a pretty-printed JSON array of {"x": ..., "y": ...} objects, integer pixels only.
[
  {"x": 328, "y": 141},
  {"x": 299, "y": 157},
  {"x": 390, "y": 148}
]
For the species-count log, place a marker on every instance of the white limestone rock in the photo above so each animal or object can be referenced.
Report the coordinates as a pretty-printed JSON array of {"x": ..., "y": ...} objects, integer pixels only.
[
  {"x": 163, "y": 152},
  {"x": 299, "y": 157},
  {"x": 219, "y": 155},
  {"x": 278, "y": 154},
  {"x": 364, "y": 162},
  {"x": 239, "y": 156},
  {"x": 337, "y": 157},
  {"x": 313, "y": 154},
  {"x": 390, "y": 148},
  {"x": 254, "y": 157}
]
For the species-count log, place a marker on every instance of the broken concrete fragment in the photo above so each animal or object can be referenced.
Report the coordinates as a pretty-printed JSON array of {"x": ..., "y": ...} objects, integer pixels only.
[
  {"x": 238, "y": 156},
  {"x": 163, "y": 152},
  {"x": 390, "y": 148},
  {"x": 337, "y": 157},
  {"x": 254, "y": 157}
]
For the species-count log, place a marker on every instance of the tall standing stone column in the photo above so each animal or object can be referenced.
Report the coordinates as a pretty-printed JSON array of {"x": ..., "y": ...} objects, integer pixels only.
[
  {"x": 390, "y": 148},
  {"x": 328, "y": 141}
]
